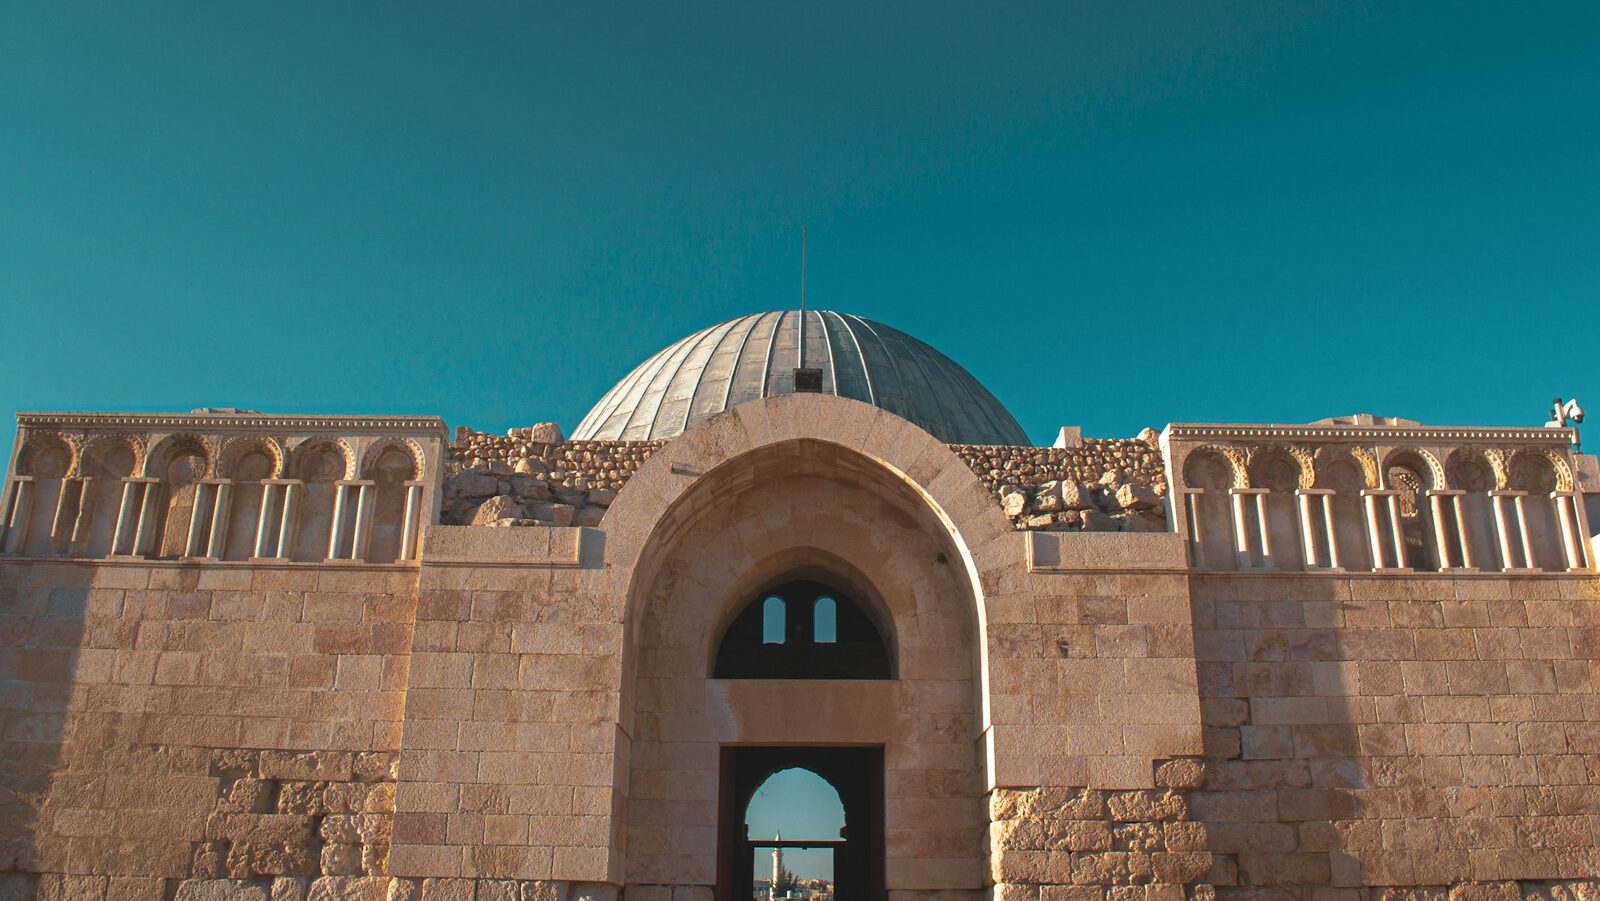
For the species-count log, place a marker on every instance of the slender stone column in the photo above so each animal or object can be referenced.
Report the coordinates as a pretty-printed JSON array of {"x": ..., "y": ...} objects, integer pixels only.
[
  {"x": 1451, "y": 543},
  {"x": 365, "y": 498},
  {"x": 194, "y": 542},
  {"x": 292, "y": 489},
  {"x": 336, "y": 534},
  {"x": 147, "y": 517},
  {"x": 16, "y": 524},
  {"x": 1374, "y": 536},
  {"x": 1502, "y": 529},
  {"x": 264, "y": 531},
  {"x": 1522, "y": 529},
  {"x": 64, "y": 520},
  {"x": 1241, "y": 530},
  {"x": 1268, "y": 561},
  {"x": 1191, "y": 511},
  {"x": 409, "y": 523},
  {"x": 1394, "y": 530},
  {"x": 1328, "y": 527},
  {"x": 1461, "y": 529},
  {"x": 221, "y": 512},
  {"x": 85, "y": 512},
  {"x": 1308, "y": 532},
  {"x": 125, "y": 518}
]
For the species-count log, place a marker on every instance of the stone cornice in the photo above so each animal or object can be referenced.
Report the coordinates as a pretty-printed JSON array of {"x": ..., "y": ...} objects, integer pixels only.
[
  {"x": 208, "y": 422},
  {"x": 1371, "y": 434}
]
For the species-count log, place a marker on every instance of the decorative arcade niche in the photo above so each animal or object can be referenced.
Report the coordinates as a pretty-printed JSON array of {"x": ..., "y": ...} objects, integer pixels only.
[{"x": 802, "y": 630}]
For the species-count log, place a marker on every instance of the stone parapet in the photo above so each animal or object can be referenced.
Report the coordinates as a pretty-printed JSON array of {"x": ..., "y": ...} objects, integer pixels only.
[
  {"x": 1361, "y": 494},
  {"x": 232, "y": 486}
]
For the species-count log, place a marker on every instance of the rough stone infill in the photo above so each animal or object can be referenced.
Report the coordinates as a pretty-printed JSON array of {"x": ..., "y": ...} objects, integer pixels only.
[
  {"x": 287, "y": 814},
  {"x": 532, "y": 477},
  {"x": 1056, "y": 844},
  {"x": 1103, "y": 485}
]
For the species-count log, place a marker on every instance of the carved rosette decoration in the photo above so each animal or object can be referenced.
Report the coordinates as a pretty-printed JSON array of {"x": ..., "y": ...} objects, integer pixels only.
[
  {"x": 299, "y": 452},
  {"x": 1238, "y": 459},
  {"x": 234, "y": 448},
  {"x": 369, "y": 460},
  {"x": 1429, "y": 462},
  {"x": 98, "y": 444}
]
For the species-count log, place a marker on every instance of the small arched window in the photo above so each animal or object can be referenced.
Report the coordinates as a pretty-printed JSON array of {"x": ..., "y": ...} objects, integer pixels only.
[
  {"x": 825, "y": 621},
  {"x": 802, "y": 630},
  {"x": 773, "y": 627}
]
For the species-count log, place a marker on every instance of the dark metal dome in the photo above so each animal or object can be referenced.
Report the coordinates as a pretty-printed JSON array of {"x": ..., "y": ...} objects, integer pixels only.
[{"x": 755, "y": 356}]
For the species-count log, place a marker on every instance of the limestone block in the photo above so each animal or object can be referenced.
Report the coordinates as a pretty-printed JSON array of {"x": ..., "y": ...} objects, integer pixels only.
[
  {"x": 1145, "y": 806},
  {"x": 301, "y": 798},
  {"x": 474, "y": 483},
  {"x": 530, "y": 488},
  {"x": 319, "y": 766},
  {"x": 345, "y": 797},
  {"x": 290, "y": 888},
  {"x": 371, "y": 766},
  {"x": 589, "y": 515},
  {"x": 249, "y": 796},
  {"x": 1181, "y": 774},
  {"x": 1095, "y": 521},
  {"x": 1133, "y": 496},
  {"x": 593, "y": 891},
  {"x": 126, "y": 888},
  {"x": 551, "y": 513},
  {"x": 497, "y": 890},
  {"x": 350, "y": 888},
  {"x": 544, "y": 890},
  {"x": 341, "y": 860},
  {"x": 220, "y": 890},
  {"x": 1014, "y": 501},
  {"x": 404, "y": 890},
  {"x": 496, "y": 508},
  {"x": 447, "y": 890}
]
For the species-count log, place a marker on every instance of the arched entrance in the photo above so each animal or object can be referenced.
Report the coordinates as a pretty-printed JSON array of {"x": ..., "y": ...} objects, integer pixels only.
[
  {"x": 857, "y": 859},
  {"x": 846, "y": 542}
]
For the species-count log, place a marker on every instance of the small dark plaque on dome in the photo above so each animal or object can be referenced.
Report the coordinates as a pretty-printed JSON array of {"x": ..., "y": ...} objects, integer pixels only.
[{"x": 808, "y": 380}]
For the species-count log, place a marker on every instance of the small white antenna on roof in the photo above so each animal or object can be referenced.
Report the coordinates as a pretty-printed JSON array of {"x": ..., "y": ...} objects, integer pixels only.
[{"x": 802, "y": 358}]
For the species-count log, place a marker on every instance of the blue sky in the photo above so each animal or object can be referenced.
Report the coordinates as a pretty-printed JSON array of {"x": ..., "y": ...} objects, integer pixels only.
[
  {"x": 1115, "y": 215},
  {"x": 798, "y": 804}
]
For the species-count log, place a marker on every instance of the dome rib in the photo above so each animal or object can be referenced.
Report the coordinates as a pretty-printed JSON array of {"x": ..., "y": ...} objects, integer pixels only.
[{"x": 755, "y": 356}]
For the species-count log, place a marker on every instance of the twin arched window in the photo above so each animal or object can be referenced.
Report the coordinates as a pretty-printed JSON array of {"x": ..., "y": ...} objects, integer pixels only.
[{"x": 802, "y": 630}]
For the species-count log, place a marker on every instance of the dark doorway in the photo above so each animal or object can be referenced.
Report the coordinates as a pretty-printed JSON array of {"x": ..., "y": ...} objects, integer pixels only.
[{"x": 858, "y": 855}]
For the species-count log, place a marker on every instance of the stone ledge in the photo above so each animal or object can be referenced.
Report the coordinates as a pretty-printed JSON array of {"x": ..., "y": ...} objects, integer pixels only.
[{"x": 1067, "y": 552}]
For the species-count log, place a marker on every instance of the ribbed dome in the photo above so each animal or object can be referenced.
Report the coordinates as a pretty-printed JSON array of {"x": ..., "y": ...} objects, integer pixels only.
[{"x": 755, "y": 356}]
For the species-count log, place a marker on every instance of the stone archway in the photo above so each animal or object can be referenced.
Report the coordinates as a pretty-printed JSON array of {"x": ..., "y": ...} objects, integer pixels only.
[{"x": 754, "y": 498}]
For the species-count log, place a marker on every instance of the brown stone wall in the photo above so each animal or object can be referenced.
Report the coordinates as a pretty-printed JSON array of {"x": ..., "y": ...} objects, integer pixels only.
[
  {"x": 1399, "y": 732},
  {"x": 507, "y": 769},
  {"x": 166, "y": 723}
]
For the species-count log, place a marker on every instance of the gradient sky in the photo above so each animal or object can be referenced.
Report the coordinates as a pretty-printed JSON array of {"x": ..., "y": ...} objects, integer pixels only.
[{"x": 1115, "y": 215}]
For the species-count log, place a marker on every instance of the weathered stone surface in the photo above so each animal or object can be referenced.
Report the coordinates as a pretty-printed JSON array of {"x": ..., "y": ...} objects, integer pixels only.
[
  {"x": 1182, "y": 774},
  {"x": 350, "y": 888},
  {"x": 589, "y": 515},
  {"x": 551, "y": 513},
  {"x": 497, "y": 508},
  {"x": 1095, "y": 521},
  {"x": 220, "y": 890},
  {"x": 1133, "y": 496}
]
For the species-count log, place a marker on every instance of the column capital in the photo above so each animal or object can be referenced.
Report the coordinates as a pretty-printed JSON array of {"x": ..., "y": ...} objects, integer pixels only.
[{"x": 355, "y": 483}]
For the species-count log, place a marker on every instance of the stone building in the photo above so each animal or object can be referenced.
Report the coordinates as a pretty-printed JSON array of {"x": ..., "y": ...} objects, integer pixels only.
[{"x": 262, "y": 656}]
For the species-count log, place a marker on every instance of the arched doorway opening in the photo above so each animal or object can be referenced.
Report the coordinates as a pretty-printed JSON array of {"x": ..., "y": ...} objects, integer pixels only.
[
  {"x": 816, "y": 790},
  {"x": 794, "y": 823}
]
